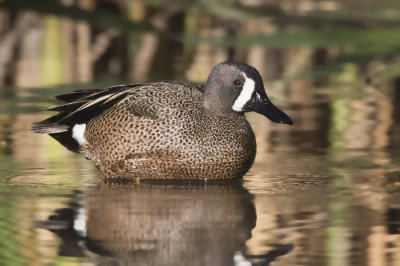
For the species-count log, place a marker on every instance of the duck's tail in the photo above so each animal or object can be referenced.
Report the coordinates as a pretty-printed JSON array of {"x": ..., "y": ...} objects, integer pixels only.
[{"x": 68, "y": 126}]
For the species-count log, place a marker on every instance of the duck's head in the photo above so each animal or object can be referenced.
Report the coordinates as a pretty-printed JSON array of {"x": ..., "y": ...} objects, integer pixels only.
[{"x": 237, "y": 87}]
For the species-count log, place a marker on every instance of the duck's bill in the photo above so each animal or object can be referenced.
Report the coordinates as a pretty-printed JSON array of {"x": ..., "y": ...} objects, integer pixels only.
[{"x": 262, "y": 105}]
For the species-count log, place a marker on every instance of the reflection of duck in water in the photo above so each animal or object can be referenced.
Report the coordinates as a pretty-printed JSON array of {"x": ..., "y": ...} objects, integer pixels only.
[
  {"x": 167, "y": 130},
  {"x": 143, "y": 224}
]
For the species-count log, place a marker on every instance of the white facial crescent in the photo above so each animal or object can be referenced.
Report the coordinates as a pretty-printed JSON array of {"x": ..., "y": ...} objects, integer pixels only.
[{"x": 245, "y": 95}]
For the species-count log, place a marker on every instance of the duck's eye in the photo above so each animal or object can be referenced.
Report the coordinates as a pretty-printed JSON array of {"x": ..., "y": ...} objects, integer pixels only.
[{"x": 238, "y": 82}]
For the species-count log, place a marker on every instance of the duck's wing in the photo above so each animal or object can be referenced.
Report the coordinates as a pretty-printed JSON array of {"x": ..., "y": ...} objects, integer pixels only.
[
  {"x": 158, "y": 99},
  {"x": 82, "y": 106}
]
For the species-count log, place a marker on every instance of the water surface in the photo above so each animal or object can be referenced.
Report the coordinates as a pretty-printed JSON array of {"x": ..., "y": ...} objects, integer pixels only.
[{"x": 305, "y": 201}]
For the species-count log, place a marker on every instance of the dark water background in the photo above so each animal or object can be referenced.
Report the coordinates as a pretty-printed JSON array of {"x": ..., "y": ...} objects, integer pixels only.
[{"x": 325, "y": 191}]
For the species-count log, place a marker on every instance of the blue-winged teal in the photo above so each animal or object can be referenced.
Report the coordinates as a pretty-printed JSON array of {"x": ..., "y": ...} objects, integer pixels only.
[{"x": 168, "y": 129}]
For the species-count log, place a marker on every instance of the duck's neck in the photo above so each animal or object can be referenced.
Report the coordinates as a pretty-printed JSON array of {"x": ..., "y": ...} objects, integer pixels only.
[{"x": 215, "y": 101}]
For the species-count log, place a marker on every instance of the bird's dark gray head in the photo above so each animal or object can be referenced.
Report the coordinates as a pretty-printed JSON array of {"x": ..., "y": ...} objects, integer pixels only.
[{"x": 237, "y": 87}]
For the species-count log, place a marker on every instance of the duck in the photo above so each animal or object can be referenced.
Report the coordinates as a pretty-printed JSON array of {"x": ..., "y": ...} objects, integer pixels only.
[{"x": 167, "y": 129}]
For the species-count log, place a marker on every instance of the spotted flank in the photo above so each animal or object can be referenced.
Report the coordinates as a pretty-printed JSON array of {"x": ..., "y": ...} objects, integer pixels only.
[{"x": 245, "y": 95}]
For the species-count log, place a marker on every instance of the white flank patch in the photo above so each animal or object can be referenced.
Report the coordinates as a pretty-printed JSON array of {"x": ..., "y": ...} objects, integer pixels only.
[
  {"x": 245, "y": 94},
  {"x": 77, "y": 133}
]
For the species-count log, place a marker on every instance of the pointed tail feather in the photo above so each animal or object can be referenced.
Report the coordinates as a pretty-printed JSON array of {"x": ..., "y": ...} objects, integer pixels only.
[
  {"x": 61, "y": 133},
  {"x": 46, "y": 127}
]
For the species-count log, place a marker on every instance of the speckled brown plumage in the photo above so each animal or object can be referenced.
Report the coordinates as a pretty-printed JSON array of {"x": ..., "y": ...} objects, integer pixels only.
[{"x": 167, "y": 130}]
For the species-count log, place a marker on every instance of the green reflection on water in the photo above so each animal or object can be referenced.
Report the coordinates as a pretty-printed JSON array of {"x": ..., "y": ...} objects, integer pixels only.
[
  {"x": 337, "y": 242},
  {"x": 339, "y": 122},
  {"x": 9, "y": 246}
]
